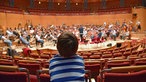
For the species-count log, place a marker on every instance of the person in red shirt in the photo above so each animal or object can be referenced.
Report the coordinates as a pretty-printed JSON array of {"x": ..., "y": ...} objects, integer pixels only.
[{"x": 26, "y": 51}]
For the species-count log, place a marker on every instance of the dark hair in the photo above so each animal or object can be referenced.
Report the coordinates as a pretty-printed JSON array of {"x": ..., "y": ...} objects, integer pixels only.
[{"x": 67, "y": 44}]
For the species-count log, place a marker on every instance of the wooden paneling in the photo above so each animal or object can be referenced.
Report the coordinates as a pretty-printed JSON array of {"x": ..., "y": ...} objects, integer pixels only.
[
  {"x": 12, "y": 20},
  {"x": 140, "y": 16}
]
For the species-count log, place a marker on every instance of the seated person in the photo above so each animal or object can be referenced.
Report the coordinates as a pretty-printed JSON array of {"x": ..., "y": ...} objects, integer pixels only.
[
  {"x": 24, "y": 41},
  {"x": 26, "y": 52},
  {"x": 6, "y": 41},
  {"x": 128, "y": 35},
  {"x": 67, "y": 66},
  {"x": 38, "y": 39}
]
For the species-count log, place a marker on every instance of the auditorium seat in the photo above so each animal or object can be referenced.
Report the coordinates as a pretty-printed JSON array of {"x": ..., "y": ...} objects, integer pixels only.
[
  {"x": 34, "y": 54},
  {"x": 140, "y": 51},
  {"x": 117, "y": 54},
  {"x": 45, "y": 56},
  {"x": 43, "y": 52},
  {"x": 140, "y": 61},
  {"x": 142, "y": 55},
  {"x": 122, "y": 50},
  {"x": 85, "y": 57},
  {"x": 117, "y": 63},
  {"x": 43, "y": 75},
  {"x": 7, "y": 62},
  {"x": 13, "y": 74},
  {"x": 124, "y": 74},
  {"x": 95, "y": 56},
  {"x": 120, "y": 77},
  {"x": 94, "y": 67},
  {"x": 107, "y": 55},
  {"x": 45, "y": 64},
  {"x": 134, "y": 48},
  {"x": 31, "y": 65},
  {"x": 135, "y": 52},
  {"x": 127, "y": 53}
]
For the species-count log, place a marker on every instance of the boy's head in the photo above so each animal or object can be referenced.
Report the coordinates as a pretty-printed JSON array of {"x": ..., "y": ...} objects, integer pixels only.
[{"x": 67, "y": 44}]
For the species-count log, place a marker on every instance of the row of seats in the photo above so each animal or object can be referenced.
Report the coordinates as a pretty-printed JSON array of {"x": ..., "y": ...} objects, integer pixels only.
[
  {"x": 18, "y": 74},
  {"x": 123, "y": 74},
  {"x": 94, "y": 65}
]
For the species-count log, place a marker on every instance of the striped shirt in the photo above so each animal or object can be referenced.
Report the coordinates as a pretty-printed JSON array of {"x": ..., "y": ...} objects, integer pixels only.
[{"x": 67, "y": 69}]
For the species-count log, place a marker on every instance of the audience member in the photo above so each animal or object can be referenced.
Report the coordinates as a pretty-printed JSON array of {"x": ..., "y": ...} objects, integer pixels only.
[{"x": 67, "y": 66}]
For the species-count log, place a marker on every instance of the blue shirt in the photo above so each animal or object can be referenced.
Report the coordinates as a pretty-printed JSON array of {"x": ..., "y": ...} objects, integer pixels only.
[
  {"x": 67, "y": 69},
  {"x": 24, "y": 41}
]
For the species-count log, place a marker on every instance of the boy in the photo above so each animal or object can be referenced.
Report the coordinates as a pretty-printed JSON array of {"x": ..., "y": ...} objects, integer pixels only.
[{"x": 67, "y": 66}]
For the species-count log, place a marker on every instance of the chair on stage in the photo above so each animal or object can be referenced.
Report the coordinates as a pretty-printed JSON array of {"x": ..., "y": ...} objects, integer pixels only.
[
  {"x": 13, "y": 74},
  {"x": 124, "y": 74}
]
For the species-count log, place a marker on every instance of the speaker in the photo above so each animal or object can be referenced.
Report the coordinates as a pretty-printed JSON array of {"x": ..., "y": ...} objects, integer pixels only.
[
  {"x": 109, "y": 45},
  {"x": 134, "y": 15},
  {"x": 119, "y": 44}
]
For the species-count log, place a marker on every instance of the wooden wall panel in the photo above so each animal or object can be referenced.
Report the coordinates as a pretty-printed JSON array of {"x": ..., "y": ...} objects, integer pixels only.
[
  {"x": 35, "y": 19},
  {"x": 12, "y": 20},
  {"x": 140, "y": 16},
  {"x": 48, "y": 20},
  {"x": 2, "y": 21}
]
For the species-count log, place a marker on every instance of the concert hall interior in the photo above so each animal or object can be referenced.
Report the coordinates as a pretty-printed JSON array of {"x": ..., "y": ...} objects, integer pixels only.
[{"x": 111, "y": 37}]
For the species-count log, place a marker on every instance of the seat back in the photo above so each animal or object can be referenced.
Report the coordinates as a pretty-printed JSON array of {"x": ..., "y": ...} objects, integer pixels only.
[
  {"x": 124, "y": 74},
  {"x": 6, "y": 62},
  {"x": 13, "y": 74},
  {"x": 94, "y": 67},
  {"x": 43, "y": 75},
  {"x": 117, "y": 63},
  {"x": 31, "y": 65},
  {"x": 122, "y": 77}
]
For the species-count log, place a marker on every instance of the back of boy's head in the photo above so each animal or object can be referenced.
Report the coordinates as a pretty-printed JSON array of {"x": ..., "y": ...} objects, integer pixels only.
[{"x": 67, "y": 44}]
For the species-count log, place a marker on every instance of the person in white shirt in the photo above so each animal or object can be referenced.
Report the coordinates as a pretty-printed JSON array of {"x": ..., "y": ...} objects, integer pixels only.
[
  {"x": 38, "y": 39},
  {"x": 7, "y": 41},
  {"x": 9, "y": 33},
  {"x": 113, "y": 34}
]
